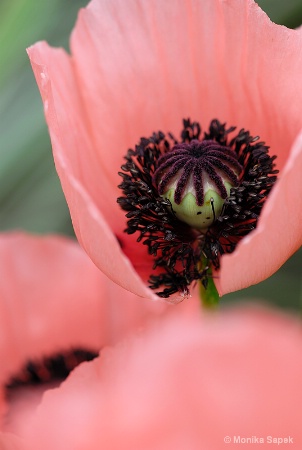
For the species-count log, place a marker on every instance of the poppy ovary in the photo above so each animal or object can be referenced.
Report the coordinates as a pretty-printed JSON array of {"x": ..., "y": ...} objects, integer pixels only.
[{"x": 196, "y": 178}]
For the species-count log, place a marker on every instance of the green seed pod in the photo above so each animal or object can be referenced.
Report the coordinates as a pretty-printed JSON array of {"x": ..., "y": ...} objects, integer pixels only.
[{"x": 199, "y": 217}]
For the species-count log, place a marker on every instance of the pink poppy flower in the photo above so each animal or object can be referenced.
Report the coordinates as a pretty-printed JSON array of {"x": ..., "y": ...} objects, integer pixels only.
[
  {"x": 185, "y": 383},
  {"x": 10, "y": 442},
  {"x": 170, "y": 381},
  {"x": 52, "y": 300},
  {"x": 138, "y": 67}
]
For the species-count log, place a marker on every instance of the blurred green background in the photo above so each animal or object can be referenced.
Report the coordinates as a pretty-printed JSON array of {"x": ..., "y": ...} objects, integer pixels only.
[{"x": 30, "y": 192}]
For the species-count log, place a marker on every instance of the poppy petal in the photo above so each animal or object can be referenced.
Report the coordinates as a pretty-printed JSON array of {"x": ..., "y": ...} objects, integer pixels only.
[
  {"x": 71, "y": 143},
  {"x": 53, "y": 298},
  {"x": 187, "y": 383},
  {"x": 138, "y": 67},
  {"x": 277, "y": 236}
]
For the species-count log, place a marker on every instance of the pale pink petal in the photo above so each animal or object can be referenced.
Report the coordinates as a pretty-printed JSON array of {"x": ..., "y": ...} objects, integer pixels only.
[
  {"x": 183, "y": 384},
  {"x": 73, "y": 153},
  {"x": 137, "y": 67},
  {"x": 10, "y": 442},
  {"x": 277, "y": 237},
  {"x": 53, "y": 298},
  {"x": 143, "y": 66}
]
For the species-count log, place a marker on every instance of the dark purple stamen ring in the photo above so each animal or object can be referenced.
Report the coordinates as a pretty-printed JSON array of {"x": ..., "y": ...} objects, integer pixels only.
[
  {"x": 193, "y": 159},
  {"x": 176, "y": 249}
]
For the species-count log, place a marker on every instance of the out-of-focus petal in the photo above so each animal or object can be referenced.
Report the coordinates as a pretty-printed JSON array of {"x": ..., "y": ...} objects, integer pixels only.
[
  {"x": 10, "y": 442},
  {"x": 53, "y": 298},
  {"x": 277, "y": 237},
  {"x": 185, "y": 383}
]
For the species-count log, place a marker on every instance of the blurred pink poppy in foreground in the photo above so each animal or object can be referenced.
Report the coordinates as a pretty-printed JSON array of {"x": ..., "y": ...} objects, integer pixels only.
[
  {"x": 52, "y": 300},
  {"x": 163, "y": 381},
  {"x": 138, "y": 67},
  {"x": 184, "y": 383}
]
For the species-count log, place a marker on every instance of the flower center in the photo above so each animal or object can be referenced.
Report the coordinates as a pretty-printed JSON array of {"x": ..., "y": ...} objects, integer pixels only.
[
  {"x": 196, "y": 178},
  {"x": 192, "y": 201}
]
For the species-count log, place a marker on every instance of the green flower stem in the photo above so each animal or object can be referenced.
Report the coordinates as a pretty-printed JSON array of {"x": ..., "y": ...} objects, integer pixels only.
[{"x": 209, "y": 296}]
